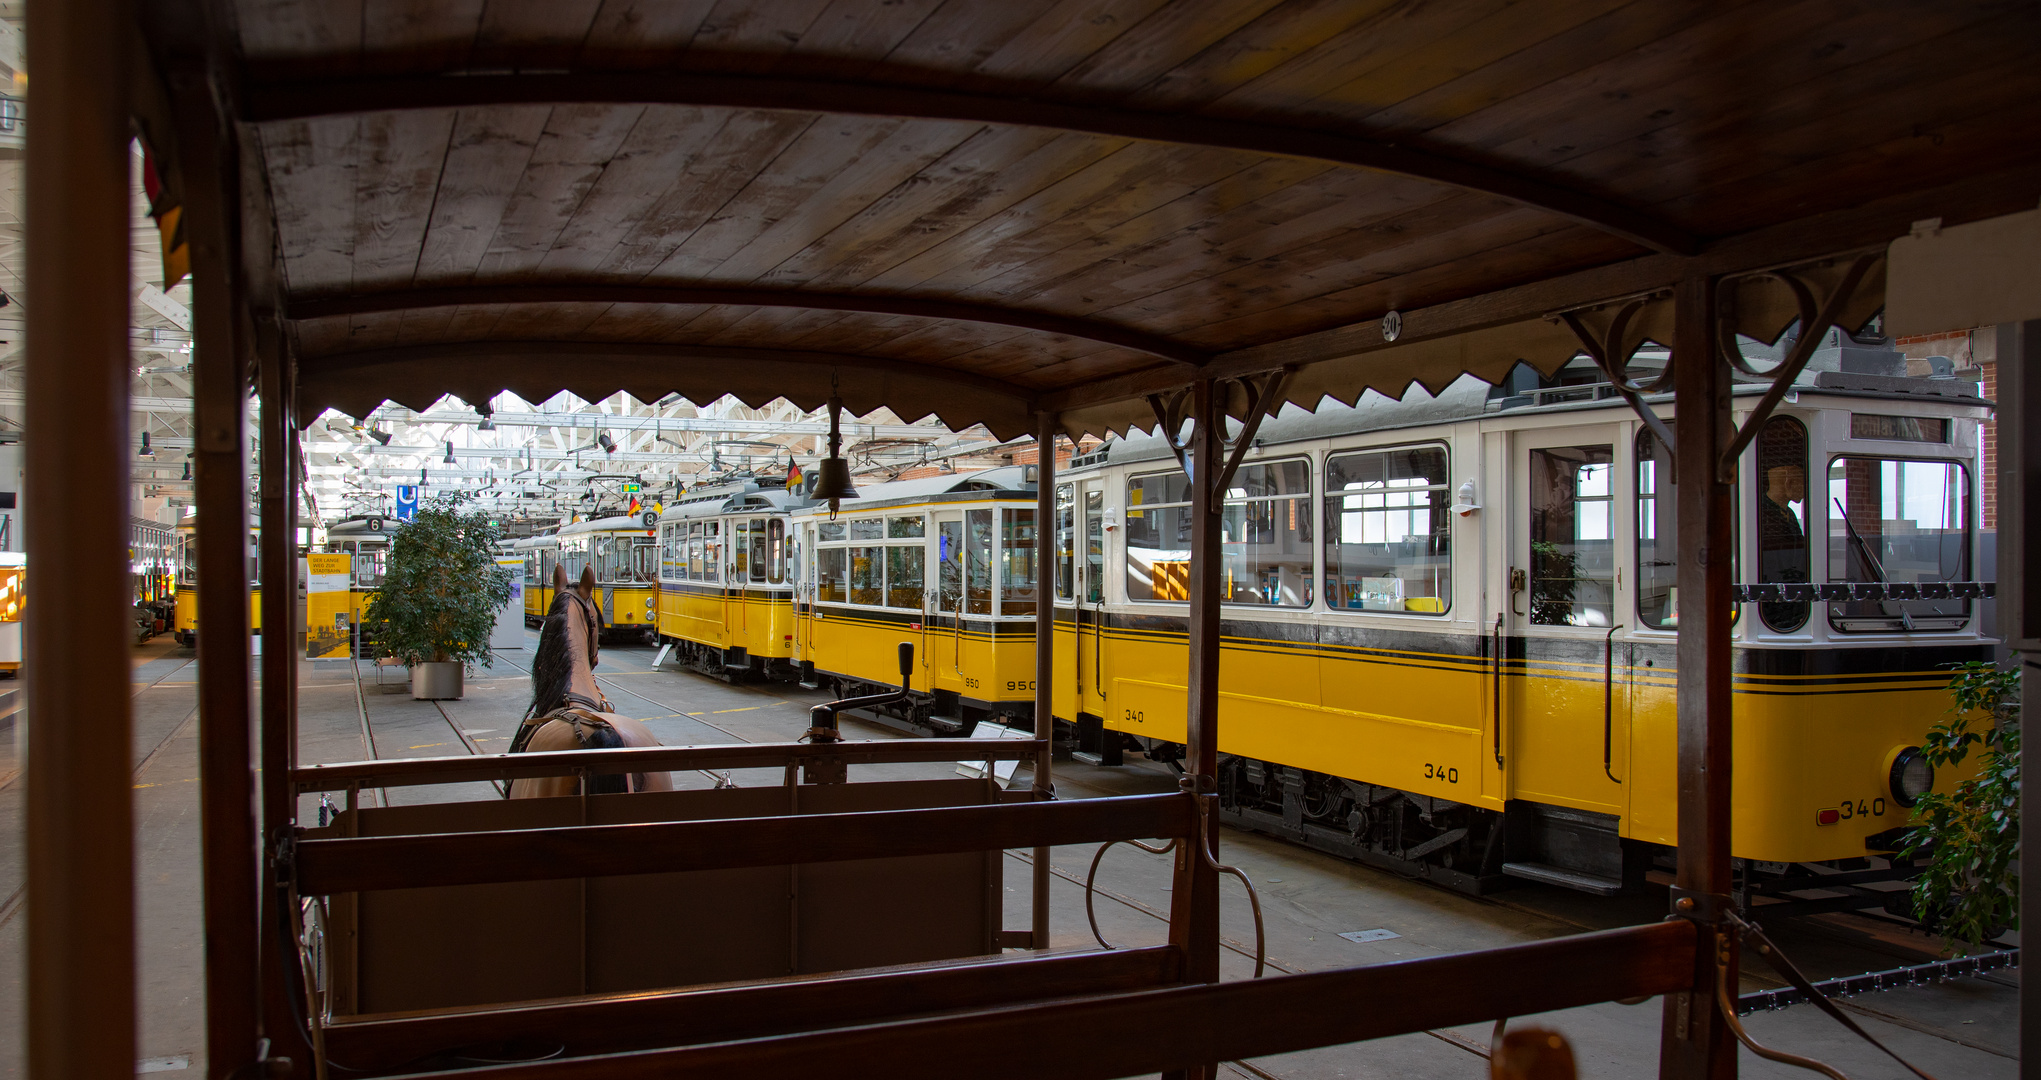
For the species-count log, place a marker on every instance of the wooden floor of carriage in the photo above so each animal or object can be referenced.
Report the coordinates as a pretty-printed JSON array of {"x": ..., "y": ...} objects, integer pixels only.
[{"x": 1959, "y": 1029}]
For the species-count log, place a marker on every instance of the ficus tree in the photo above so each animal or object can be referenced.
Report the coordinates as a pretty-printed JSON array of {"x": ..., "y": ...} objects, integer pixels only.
[
  {"x": 441, "y": 585},
  {"x": 1969, "y": 837}
]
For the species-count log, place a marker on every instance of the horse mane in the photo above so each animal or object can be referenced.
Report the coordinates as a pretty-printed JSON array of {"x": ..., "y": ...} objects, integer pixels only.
[{"x": 552, "y": 663}]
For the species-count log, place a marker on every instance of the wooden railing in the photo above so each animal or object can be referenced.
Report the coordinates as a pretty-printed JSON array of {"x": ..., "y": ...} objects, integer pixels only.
[
  {"x": 1144, "y": 1032},
  {"x": 412, "y": 772},
  {"x": 356, "y": 864},
  {"x": 679, "y": 1017}
]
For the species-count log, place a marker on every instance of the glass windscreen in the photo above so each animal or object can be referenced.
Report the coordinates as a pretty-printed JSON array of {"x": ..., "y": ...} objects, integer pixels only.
[
  {"x": 1898, "y": 522},
  {"x": 978, "y": 562},
  {"x": 1066, "y": 541},
  {"x": 950, "y": 566},
  {"x": 1159, "y": 537},
  {"x": 1572, "y": 530},
  {"x": 832, "y": 578},
  {"x": 1265, "y": 536},
  {"x": 1658, "y": 537},
  {"x": 1388, "y": 535},
  {"x": 1094, "y": 547}
]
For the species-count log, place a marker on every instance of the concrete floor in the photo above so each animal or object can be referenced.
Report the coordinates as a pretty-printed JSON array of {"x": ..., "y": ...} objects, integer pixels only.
[{"x": 1964, "y": 1029}]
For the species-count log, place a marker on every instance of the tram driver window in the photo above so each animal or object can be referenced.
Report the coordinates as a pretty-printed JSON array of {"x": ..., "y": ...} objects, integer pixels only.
[
  {"x": 1265, "y": 538},
  {"x": 831, "y": 578},
  {"x": 1572, "y": 581},
  {"x": 1066, "y": 541},
  {"x": 1781, "y": 518},
  {"x": 1017, "y": 562},
  {"x": 1388, "y": 535},
  {"x": 1900, "y": 523},
  {"x": 1158, "y": 537}
]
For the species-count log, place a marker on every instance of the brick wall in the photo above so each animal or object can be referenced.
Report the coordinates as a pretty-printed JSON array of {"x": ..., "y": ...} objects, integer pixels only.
[{"x": 1968, "y": 348}]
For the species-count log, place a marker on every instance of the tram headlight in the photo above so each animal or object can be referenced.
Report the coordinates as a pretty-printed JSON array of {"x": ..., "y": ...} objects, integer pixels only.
[{"x": 1910, "y": 776}]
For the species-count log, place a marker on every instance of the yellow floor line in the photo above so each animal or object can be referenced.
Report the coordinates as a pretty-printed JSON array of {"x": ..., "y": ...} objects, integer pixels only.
[{"x": 165, "y": 783}]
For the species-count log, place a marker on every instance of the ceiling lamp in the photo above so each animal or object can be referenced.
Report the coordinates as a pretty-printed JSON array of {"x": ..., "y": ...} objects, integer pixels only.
[
  {"x": 146, "y": 450},
  {"x": 450, "y": 453},
  {"x": 488, "y": 423},
  {"x": 609, "y": 445},
  {"x": 187, "y": 470},
  {"x": 382, "y": 437},
  {"x": 832, "y": 479}
]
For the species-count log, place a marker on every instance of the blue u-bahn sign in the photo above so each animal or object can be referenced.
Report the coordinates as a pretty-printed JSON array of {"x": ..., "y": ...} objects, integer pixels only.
[{"x": 407, "y": 502}]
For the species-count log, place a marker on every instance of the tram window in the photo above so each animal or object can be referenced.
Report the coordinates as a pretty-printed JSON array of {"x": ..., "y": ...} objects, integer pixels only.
[
  {"x": 978, "y": 562},
  {"x": 758, "y": 545},
  {"x": 898, "y": 528},
  {"x": 1572, "y": 536},
  {"x": 904, "y": 576},
  {"x": 1265, "y": 538},
  {"x": 712, "y": 551},
  {"x": 830, "y": 578},
  {"x": 1388, "y": 531},
  {"x": 1159, "y": 537},
  {"x": 1898, "y": 521},
  {"x": 1094, "y": 546},
  {"x": 1066, "y": 541},
  {"x": 776, "y": 550},
  {"x": 1781, "y": 517},
  {"x": 739, "y": 550},
  {"x": 867, "y": 575},
  {"x": 949, "y": 553},
  {"x": 672, "y": 557},
  {"x": 644, "y": 553},
  {"x": 1017, "y": 576},
  {"x": 867, "y": 529},
  {"x": 1657, "y": 536},
  {"x": 831, "y": 530}
]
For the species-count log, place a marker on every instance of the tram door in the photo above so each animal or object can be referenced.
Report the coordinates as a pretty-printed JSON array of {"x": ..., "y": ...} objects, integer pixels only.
[
  {"x": 1091, "y": 573},
  {"x": 1565, "y": 737},
  {"x": 946, "y": 658}
]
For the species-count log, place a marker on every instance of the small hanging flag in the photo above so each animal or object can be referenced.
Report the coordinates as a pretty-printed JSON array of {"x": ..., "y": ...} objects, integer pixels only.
[
  {"x": 169, "y": 215},
  {"x": 793, "y": 476}
]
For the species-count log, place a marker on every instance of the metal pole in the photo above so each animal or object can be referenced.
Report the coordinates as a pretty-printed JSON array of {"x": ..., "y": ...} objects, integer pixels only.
[
  {"x": 2019, "y": 606},
  {"x": 1697, "y": 1045},
  {"x": 231, "y": 854},
  {"x": 81, "y": 889},
  {"x": 1045, "y": 649}
]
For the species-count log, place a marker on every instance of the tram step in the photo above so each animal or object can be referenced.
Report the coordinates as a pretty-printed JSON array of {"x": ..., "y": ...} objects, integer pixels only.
[{"x": 1565, "y": 879}]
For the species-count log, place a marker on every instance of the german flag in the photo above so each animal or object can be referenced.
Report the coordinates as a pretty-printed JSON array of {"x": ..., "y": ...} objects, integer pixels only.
[{"x": 793, "y": 476}]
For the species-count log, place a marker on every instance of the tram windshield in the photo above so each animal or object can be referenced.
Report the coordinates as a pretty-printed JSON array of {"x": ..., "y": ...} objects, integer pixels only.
[{"x": 1898, "y": 522}]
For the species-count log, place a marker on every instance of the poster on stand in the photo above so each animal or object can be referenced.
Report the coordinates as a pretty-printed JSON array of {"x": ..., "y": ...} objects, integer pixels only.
[{"x": 329, "y": 591}]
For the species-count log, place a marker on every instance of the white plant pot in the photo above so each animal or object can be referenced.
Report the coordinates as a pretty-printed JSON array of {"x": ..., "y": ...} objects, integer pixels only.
[{"x": 436, "y": 679}]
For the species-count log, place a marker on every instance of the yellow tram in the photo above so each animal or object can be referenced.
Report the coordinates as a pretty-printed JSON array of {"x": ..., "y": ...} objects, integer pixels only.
[
  {"x": 1450, "y": 624},
  {"x": 185, "y": 626},
  {"x": 623, "y": 550},
  {"x": 726, "y": 584},
  {"x": 947, "y": 563},
  {"x": 541, "y": 553},
  {"x": 366, "y": 539}
]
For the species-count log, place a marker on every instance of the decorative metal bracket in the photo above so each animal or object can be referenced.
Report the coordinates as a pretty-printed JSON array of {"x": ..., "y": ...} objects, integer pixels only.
[
  {"x": 1173, "y": 410},
  {"x": 1611, "y": 354},
  {"x": 1815, "y": 319}
]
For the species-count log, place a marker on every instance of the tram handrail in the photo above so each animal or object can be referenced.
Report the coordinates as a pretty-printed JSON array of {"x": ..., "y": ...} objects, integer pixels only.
[
  {"x": 367, "y": 864},
  {"x": 1208, "y": 1022},
  {"x": 411, "y": 772}
]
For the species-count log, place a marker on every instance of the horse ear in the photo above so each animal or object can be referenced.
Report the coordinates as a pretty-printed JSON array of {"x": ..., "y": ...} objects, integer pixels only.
[
  {"x": 588, "y": 582},
  {"x": 559, "y": 579}
]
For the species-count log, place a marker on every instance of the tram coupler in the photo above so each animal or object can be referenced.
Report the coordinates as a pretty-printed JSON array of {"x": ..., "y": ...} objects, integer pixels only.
[{"x": 822, "y": 727}]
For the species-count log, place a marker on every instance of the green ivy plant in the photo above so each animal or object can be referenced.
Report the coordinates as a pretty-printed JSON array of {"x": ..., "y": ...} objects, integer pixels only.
[
  {"x": 441, "y": 586},
  {"x": 1968, "y": 890}
]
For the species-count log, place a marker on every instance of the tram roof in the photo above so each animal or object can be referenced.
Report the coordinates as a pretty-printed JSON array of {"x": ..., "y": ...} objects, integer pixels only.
[
  {"x": 613, "y": 523},
  {"x": 978, "y": 211}
]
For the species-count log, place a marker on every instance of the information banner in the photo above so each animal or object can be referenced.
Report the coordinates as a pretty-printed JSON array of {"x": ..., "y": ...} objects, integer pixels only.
[
  {"x": 509, "y": 630},
  {"x": 329, "y": 594}
]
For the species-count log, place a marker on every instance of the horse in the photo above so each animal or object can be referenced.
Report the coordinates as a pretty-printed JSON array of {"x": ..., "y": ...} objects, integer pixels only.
[{"x": 568, "y": 711}]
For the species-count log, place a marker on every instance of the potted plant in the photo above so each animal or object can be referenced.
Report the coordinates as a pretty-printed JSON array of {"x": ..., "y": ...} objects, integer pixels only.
[{"x": 441, "y": 590}]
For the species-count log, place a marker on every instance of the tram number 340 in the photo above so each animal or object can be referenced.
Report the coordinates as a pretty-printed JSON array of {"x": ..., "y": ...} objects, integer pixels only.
[{"x": 1440, "y": 772}]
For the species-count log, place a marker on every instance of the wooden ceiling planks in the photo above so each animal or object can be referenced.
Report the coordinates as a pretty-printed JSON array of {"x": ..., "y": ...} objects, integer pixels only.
[{"x": 1725, "y": 118}]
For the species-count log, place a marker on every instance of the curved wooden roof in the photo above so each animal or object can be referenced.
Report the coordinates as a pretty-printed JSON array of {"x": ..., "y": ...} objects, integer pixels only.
[{"x": 979, "y": 210}]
